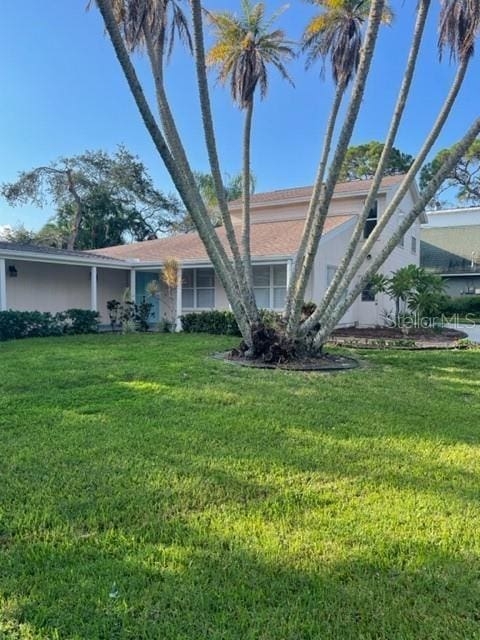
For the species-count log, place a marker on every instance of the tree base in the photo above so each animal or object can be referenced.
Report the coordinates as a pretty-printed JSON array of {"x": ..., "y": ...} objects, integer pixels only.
[
  {"x": 269, "y": 345},
  {"x": 328, "y": 363}
]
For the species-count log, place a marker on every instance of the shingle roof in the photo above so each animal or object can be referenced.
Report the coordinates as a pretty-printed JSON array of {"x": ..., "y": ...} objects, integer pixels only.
[
  {"x": 267, "y": 239},
  {"x": 353, "y": 186},
  {"x": 33, "y": 248},
  {"x": 461, "y": 241},
  {"x": 437, "y": 259}
]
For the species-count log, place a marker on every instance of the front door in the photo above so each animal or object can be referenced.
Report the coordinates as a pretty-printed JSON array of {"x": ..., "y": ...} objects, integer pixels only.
[{"x": 143, "y": 278}]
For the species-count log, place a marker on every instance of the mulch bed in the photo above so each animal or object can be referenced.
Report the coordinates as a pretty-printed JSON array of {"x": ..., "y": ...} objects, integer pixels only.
[
  {"x": 327, "y": 363},
  {"x": 392, "y": 337}
]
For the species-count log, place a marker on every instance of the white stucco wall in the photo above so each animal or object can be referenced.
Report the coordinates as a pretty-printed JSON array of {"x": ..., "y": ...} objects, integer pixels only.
[
  {"x": 42, "y": 286},
  {"x": 373, "y": 313}
]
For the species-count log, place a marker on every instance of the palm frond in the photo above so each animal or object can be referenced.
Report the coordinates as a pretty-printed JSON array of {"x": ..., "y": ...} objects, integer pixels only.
[
  {"x": 244, "y": 47},
  {"x": 458, "y": 27}
]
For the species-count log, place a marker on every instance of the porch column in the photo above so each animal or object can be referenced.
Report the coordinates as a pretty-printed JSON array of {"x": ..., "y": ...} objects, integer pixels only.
[
  {"x": 133, "y": 284},
  {"x": 178, "y": 322},
  {"x": 3, "y": 285},
  {"x": 93, "y": 289}
]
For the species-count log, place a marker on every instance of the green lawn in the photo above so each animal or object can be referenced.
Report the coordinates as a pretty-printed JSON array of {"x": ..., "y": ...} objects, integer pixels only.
[{"x": 217, "y": 502}]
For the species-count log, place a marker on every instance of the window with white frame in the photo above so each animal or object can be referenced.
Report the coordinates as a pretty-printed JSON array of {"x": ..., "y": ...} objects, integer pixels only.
[
  {"x": 198, "y": 288},
  {"x": 414, "y": 244},
  {"x": 371, "y": 221},
  {"x": 270, "y": 285}
]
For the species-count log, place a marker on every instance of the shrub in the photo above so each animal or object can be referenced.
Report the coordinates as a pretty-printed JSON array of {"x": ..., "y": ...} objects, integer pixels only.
[
  {"x": 166, "y": 326},
  {"x": 142, "y": 315},
  {"x": 129, "y": 316},
  {"x": 113, "y": 308},
  {"x": 77, "y": 321},
  {"x": 24, "y": 324},
  {"x": 223, "y": 322},
  {"x": 35, "y": 324},
  {"x": 462, "y": 306},
  {"x": 216, "y": 322}
]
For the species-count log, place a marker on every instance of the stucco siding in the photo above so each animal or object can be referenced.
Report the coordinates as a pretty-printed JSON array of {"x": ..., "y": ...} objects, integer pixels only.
[
  {"x": 329, "y": 255},
  {"x": 111, "y": 285},
  {"x": 56, "y": 287}
]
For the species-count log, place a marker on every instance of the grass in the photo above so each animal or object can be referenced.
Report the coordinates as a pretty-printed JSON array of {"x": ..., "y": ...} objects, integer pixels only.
[{"x": 148, "y": 491}]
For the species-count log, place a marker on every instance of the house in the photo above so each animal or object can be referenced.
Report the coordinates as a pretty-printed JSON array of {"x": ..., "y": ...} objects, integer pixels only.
[
  {"x": 36, "y": 278},
  {"x": 450, "y": 246}
]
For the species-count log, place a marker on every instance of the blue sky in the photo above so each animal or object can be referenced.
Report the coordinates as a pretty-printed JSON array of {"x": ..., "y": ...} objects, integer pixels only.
[{"x": 63, "y": 92}]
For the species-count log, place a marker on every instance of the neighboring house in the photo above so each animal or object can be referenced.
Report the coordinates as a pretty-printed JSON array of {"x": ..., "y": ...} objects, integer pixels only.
[
  {"x": 54, "y": 280},
  {"x": 450, "y": 246}
]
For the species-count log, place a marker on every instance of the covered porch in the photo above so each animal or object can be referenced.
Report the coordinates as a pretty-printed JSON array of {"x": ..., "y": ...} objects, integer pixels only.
[{"x": 52, "y": 281}]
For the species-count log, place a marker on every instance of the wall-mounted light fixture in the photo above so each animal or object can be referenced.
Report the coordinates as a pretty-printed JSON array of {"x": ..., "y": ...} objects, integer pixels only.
[{"x": 12, "y": 272}]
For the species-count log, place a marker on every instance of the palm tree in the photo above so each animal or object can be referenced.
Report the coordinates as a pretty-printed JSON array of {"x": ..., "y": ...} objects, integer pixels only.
[
  {"x": 422, "y": 14},
  {"x": 335, "y": 33},
  {"x": 458, "y": 27},
  {"x": 233, "y": 190},
  {"x": 245, "y": 46}
]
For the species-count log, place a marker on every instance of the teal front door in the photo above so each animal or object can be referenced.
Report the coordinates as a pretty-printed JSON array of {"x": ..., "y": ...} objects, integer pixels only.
[{"x": 142, "y": 280}]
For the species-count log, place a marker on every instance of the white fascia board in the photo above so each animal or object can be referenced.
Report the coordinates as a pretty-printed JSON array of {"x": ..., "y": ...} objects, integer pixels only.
[
  {"x": 87, "y": 261},
  {"x": 464, "y": 274},
  {"x": 302, "y": 200},
  {"x": 273, "y": 259}
]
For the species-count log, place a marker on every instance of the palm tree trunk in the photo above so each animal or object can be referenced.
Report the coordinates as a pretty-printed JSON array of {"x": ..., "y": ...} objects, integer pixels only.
[
  {"x": 307, "y": 261},
  {"x": 422, "y": 14},
  {"x": 205, "y": 228},
  {"x": 156, "y": 56},
  {"x": 460, "y": 149},
  {"x": 247, "y": 135},
  {"x": 401, "y": 191},
  {"x": 316, "y": 193},
  {"x": 209, "y": 133}
]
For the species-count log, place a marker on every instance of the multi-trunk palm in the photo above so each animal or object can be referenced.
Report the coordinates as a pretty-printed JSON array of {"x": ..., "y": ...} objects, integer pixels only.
[{"x": 344, "y": 36}]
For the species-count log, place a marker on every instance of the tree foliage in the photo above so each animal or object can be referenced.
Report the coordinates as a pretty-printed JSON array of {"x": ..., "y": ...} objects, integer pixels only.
[
  {"x": 420, "y": 291},
  {"x": 361, "y": 161},
  {"x": 336, "y": 34},
  {"x": 464, "y": 178},
  {"x": 245, "y": 71},
  {"x": 100, "y": 200}
]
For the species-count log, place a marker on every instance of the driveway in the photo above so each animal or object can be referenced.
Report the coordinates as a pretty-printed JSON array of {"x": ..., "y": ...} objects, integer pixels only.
[{"x": 472, "y": 331}]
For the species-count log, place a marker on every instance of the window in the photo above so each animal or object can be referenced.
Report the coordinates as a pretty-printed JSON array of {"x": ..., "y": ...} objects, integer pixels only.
[
  {"x": 198, "y": 288},
  {"x": 401, "y": 242},
  {"x": 371, "y": 221},
  {"x": 270, "y": 285},
  {"x": 330, "y": 274},
  {"x": 368, "y": 294},
  {"x": 414, "y": 244}
]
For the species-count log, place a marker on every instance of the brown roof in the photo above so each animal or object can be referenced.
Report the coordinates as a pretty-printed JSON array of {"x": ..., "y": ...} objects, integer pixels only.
[
  {"x": 267, "y": 239},
  {"x": 352, "y": 186}
]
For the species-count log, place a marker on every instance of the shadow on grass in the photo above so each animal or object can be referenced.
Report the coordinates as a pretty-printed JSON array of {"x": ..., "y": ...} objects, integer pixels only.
[
  {"x": 197, "y": 585},
  {"x": 230, "y": 504}
]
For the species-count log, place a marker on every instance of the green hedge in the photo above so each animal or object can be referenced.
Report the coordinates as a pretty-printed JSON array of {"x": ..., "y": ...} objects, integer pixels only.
[
  {"x": 462, "y": 305},
  {"x": 221, "y": 322},
  {"x": 35, "y": 324},
  {"x": 216, "y": 322}
]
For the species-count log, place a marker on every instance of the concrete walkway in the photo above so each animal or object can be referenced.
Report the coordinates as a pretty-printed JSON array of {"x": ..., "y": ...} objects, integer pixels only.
[{"x": 473, "y": 331}]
